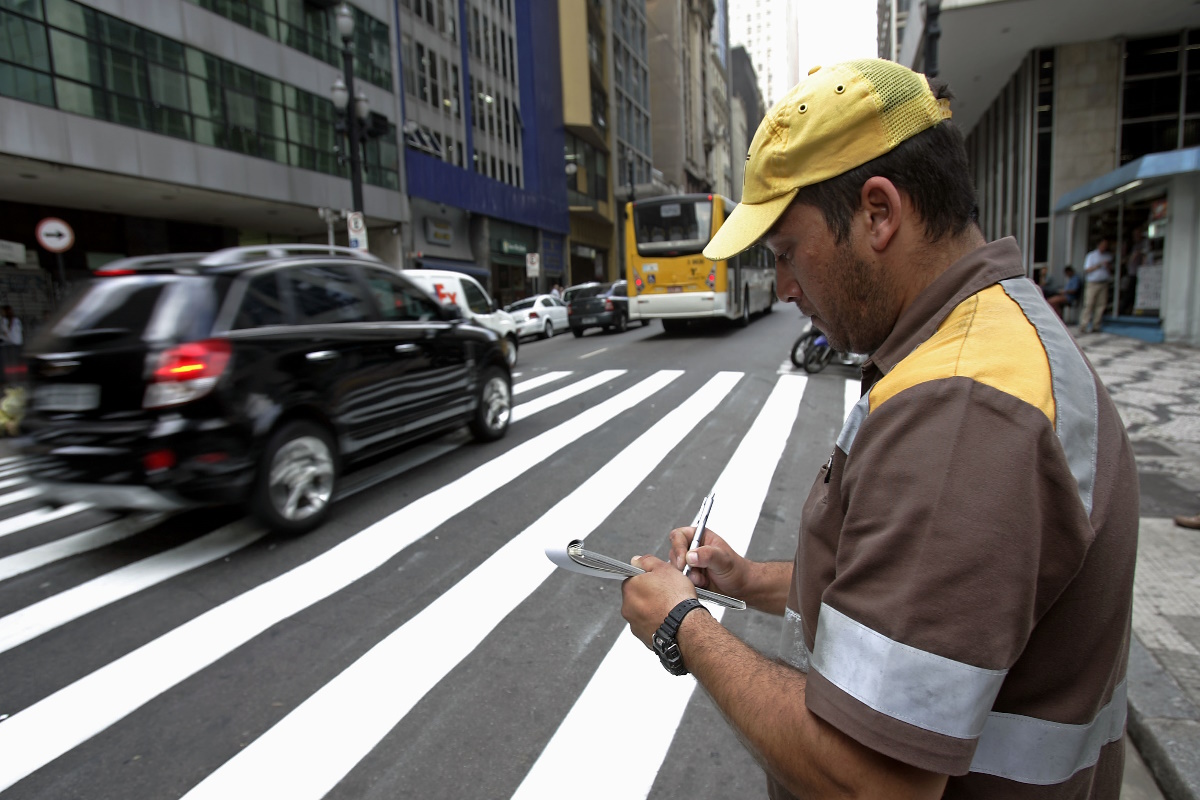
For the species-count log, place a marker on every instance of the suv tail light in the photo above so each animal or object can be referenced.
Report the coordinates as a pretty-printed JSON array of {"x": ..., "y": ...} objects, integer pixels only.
[
  {"x": 608, "y": 306},
  {"x": 186, "y": 372}
]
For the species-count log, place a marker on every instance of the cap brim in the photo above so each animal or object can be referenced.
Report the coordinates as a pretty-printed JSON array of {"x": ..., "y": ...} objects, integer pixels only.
[{"x": 746, "y": 225}]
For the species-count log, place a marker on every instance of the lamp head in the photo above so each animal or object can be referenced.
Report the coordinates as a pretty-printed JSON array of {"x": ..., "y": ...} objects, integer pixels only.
[
  {"x": 362, "y": 106},
  {"x": 345, "y": 21},
  {"x": 340, "y": 94}
]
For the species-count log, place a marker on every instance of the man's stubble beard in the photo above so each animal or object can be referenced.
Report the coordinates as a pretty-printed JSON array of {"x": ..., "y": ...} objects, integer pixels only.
[{"x": 861, "y": 321}]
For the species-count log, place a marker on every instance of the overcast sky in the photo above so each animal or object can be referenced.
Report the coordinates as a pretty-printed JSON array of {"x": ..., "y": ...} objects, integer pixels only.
[{"x": 835, "y": 30}]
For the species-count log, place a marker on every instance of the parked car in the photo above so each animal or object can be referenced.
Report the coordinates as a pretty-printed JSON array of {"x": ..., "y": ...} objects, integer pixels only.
[
  {"x": 540, "y": 315},
  {"x": 251, "y": 375},
  {"x": 476, "y": 305},
  {"x": 598, "y": 305}
]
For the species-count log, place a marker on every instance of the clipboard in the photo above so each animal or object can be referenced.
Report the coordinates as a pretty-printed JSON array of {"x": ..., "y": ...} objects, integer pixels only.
[{"x": 575, "y": 558}]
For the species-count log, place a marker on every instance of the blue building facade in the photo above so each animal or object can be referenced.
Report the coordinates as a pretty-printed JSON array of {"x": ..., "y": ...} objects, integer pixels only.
[{"x": 485, "y": 174}]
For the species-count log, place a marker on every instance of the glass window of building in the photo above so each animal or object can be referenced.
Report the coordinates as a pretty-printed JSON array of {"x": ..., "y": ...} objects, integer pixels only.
[
  {"x": 1160, "y": 101},
  {"x": 103, "y": 67},
  {"x": 309, "y": 28}
]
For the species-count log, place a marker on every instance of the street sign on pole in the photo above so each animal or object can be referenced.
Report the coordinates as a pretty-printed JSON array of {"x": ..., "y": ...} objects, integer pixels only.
[
  {"x": 356, "y": 230},
  {"x": 533, "y": 265},
  {"x": 55, "y": 235}
]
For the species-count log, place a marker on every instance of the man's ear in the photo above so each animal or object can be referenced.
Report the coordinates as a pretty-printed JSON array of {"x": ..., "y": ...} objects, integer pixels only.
[{"x": 884, "y": 210}]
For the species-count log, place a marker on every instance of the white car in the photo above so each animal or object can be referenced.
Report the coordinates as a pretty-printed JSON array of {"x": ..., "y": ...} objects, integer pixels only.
[
  {"x": 540, "y": 315},
  {"x": 477, "y": 306}
]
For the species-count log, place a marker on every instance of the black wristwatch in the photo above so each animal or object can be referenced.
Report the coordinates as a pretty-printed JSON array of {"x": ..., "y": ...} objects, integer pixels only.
[{"x": 664, "y": 638}]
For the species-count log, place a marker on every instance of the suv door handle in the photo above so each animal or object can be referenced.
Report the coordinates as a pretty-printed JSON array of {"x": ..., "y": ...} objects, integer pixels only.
[
  {"x": 321, "y": 355},
  {"x": 407, "y": 348}
]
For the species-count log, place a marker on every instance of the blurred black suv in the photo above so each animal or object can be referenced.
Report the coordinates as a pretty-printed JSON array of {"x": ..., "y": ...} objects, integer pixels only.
[{"x": 248, "y": 375}]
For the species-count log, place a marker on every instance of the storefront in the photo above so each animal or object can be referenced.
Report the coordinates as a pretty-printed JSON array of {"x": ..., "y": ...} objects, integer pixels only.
[
  {"x": 508, "y": 245},
  {"x": 442, "y": 240},
  {"x": 1148, "y": 212}
]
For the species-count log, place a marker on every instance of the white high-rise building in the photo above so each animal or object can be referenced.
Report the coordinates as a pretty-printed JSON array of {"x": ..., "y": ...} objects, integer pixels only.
[{"x": 767, "y": 28}]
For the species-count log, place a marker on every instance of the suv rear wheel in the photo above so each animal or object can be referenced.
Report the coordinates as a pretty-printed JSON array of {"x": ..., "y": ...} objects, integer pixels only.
[
  {"x": 511, "y": 357},
  {"x": 296, "y": 478},
  {"x": 621, "y": 325},
  {"x": 494, "y": 410}
]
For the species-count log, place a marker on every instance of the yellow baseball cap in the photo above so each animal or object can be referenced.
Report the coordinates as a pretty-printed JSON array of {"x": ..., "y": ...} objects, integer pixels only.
[{"x": 834, "y": 120}]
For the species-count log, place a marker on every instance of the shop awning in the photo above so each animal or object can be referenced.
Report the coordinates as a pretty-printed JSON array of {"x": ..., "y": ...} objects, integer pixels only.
[
  {"x": 1133, "y": 174},
  {"x": 477, "y": 272}
]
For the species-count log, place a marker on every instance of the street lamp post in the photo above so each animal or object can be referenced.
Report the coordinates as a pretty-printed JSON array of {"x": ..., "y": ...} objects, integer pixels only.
[
  {"x": 350, "y": 117},
  {"x": 933, "y": 32}
]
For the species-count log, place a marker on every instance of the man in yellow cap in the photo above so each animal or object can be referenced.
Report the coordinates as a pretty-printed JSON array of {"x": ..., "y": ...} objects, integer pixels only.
[{"x": 956, "y": 619}]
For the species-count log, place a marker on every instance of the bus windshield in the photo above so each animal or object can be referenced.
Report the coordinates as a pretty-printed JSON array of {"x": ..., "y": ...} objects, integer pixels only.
[{"x": 674, "y": 228}]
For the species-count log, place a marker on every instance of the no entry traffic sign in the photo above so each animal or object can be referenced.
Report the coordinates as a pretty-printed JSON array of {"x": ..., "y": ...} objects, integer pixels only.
[{"x": 55, "y": 235}]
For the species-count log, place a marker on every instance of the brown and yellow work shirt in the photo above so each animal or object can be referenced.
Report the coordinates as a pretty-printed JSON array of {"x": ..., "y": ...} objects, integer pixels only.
[{"x": 963, "y": 585}]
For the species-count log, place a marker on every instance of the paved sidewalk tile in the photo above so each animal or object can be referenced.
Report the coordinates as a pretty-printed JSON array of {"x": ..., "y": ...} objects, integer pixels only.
[{"x": 1155, "y": 388}]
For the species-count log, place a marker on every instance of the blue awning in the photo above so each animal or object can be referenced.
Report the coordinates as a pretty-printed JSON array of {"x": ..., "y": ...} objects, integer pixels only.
[
  {"x": 1155, "y": 165},
  {"x": 481, "y": 274}
]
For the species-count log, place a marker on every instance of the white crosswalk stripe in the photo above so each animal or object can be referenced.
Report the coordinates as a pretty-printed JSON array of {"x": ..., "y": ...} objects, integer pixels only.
[
  {"x": 313, "y": 744},
  {"x": 21, "y": 626},
  {"x": 76, "y": 544}
]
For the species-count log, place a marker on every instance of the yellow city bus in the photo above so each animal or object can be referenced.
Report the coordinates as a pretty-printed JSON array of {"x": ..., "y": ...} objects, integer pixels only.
[{"x": 669, "y": 277}]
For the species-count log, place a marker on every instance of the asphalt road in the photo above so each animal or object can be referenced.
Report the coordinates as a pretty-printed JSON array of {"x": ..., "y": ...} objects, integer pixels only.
[{"x": 419, "y": 644}]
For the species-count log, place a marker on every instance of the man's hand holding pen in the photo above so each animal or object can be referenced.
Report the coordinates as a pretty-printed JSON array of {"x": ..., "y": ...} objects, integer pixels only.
[{"x": 714, "y": 564}]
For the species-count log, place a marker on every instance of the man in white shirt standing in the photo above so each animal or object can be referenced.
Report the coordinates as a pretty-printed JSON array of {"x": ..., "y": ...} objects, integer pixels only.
[
  {"x": 10, "y": 327},
  {"x": 11, "y": 339},
  {"x": 1097, "y": 272}
]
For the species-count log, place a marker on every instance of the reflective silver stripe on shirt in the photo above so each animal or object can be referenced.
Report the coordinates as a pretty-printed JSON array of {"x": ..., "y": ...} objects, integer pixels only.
[
  {"x": 791, "y": 643},
  {"x": 911, "y": 685},
  {"x": 1076, "y": 406},
  {"x": 1041, "y": 752},
  {"x": 853, "y": 422}
]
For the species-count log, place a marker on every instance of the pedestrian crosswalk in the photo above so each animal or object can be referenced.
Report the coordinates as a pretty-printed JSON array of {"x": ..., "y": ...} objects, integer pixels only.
[{"x": 599, "y": 454}]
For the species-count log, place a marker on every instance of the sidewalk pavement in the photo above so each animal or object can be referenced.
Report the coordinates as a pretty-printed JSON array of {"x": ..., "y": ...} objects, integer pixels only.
[{"x": 1155, "y": 387}]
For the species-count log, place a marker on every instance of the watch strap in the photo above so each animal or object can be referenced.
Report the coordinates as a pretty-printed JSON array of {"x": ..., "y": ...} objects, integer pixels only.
[{"x": 664, "y": 638}]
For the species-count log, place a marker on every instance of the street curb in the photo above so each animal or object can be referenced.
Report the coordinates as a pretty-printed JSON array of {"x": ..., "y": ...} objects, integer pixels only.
[{"x": 1164, "y": 725}]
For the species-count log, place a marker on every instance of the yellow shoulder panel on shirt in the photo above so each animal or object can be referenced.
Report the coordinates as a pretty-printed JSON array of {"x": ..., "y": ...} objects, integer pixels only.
[{"x": 986, "y": 338}]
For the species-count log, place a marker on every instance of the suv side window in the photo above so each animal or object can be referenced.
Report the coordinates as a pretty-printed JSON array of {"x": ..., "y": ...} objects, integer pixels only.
[
  {"x": 620, "y": 290},
  {"x": 397, "y": 301},
  {"x": 476, "y": 299},
  {"x": 326, "y": 294},
  {"x": 262, "y": 304}
]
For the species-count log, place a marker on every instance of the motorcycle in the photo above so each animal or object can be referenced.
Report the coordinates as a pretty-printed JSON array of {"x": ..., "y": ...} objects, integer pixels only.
[{"x": 813, "y": 352}]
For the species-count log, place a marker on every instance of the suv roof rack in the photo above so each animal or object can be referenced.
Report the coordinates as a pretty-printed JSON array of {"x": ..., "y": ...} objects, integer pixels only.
[
  {"x": 138, "y": 263},
  {"x": 237, "y": 255}
]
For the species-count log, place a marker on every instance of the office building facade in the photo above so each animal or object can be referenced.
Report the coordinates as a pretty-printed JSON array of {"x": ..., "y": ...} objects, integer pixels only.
[
  {"x": 1082, "y": 123},
  {"x": 183, "y": 125},
  {"x": 482, "y": 141}
]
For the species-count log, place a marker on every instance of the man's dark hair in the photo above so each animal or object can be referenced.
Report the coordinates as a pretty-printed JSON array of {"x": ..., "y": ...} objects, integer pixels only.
[
  {"x": 930, "y": 167},
  {"x": 1069, "y": 269}
]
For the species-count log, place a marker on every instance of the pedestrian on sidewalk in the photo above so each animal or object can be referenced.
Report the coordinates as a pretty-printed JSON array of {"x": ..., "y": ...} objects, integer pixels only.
[
  {"x": 1069, "y": 294},
  {"x": 956, "y": 620},
  {"x": 11, "y": 339},
  {"x": 1097, "y": 273}
]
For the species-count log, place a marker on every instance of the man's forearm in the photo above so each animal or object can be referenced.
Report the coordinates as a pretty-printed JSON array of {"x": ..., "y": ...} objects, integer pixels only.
[
  {"x": 769, "y": 586},
  {"x": 764, "y": 701}
]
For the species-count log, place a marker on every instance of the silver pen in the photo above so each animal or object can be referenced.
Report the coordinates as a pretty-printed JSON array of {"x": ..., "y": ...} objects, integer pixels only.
[{"x": 699, "y": 523}]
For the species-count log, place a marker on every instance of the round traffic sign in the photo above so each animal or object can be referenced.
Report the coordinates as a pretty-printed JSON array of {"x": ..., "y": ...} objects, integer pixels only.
[
  {"x": 55, "y": 235},
  {"x": 355, "y": 222}
]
